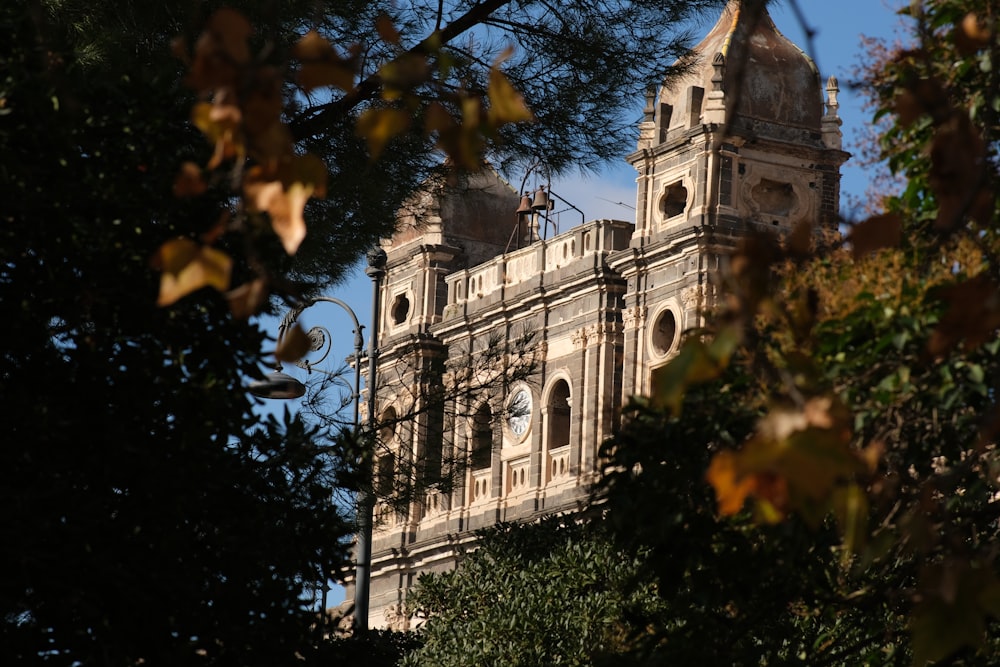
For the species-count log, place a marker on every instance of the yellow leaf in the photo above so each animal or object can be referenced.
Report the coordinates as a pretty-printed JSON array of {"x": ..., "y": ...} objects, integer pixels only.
[
  {"x": 403, "y": 74},
  {"x": 322, "y": 65},
  {"x": 972, "y": 34},
  {"x": 221, "y": 124},
  {"x": 175, "y": 254},
  {"x": 379, "y": 126},
  {"x": 799, "y": 459},
  {"x": 187, "y": 267},
  {"x": 280, "y": 204},
  {"x": 731, "y": 487},
  {"x": 386, "y": 30},
  {"x": 247, "y": 299},
  {"x": 506, "y": 104},
  {"x": 696, "y": 362},
  {"x": 294, "y": 344},
  {"x": 691, "y": 365}
]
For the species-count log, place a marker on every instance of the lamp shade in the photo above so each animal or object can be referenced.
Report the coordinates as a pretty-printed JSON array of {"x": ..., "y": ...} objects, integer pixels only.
[{"x": 277, "y": 385}]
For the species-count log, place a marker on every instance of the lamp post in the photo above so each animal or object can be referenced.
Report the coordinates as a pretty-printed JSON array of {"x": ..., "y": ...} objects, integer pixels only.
[
  {"x": 366, "y": 499},
  {"x": 280, "y": 385}
]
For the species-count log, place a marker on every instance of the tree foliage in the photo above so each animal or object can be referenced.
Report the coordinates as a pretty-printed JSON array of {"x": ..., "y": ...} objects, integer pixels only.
[
  {"x": 150, "y": 517},
  {"x": 872, "y": 364},
  {"x": 550, "y": 593}
]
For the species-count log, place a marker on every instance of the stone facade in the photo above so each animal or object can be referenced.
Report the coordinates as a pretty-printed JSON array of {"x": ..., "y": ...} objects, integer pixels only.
[{"x": 745, "y": 141}]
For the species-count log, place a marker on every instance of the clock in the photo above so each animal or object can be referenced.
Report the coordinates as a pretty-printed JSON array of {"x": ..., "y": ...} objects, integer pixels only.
[{"x": 519, "y": 412}]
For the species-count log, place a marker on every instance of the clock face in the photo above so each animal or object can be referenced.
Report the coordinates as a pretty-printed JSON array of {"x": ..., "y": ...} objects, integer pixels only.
[{"x": 519, "y": 412}]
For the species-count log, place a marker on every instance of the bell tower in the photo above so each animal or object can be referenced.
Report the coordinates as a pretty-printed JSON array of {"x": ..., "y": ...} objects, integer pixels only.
[{"x": 742, "y": 142}]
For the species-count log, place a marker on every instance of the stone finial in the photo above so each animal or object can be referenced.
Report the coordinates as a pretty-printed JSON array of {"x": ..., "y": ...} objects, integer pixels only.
[
  {"x": 647, "y": 128},
  {"x": 715, "y": 105},
  {"x": 718, "y": 70},
  {"x": 832, "y": 90},
  {"x": 831, "y": 122},
  {"x": 650, "y": 110}
]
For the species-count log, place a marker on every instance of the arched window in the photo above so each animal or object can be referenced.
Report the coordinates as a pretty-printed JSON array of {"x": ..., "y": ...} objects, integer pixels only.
[
  {"x": 385, "y": 467},
  {"x": 433, "y": 449},
  {"x": 559, "y": 415},
  {"x": 481, "y": 453}
]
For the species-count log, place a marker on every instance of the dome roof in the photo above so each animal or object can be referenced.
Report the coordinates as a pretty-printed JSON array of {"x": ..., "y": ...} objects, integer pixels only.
[{"x": 767, "y": 77}]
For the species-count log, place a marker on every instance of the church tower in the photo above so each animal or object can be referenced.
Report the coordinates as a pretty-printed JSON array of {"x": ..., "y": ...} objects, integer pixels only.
[{"x": 743, "y": 142}]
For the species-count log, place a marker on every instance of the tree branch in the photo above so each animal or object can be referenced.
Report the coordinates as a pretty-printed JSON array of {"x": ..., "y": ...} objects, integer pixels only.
[{"x": 368, "y": 88}]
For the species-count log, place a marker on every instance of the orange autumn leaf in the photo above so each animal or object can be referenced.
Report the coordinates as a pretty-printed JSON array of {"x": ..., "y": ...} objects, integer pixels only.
[
  {"x": 875, "y": 233},
  {"x": 799, "y": 242},
  {"x": 188, "y": 266},
  {"x": 189, "y": 181},
  {"x": 282, "y": 192},
  {"x": 972, "y": 34},
  {"x": 247, "y": 299},
  {"x": 799, "y": 460}
]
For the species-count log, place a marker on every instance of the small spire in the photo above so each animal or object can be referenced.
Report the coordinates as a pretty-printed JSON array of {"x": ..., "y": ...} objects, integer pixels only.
[
  {"x": 832, "y": 89},
  {"x": 831, "y": 122}
]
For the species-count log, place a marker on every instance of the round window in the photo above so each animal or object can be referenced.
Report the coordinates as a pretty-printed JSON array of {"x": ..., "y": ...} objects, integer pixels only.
[
  {"x": 664, "y": 332},
  {"x": 400, "y": 309},
  {"x": 673, "y": 201}
]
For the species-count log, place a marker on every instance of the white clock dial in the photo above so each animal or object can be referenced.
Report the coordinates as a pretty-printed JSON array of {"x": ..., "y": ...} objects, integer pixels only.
[{"x": 519, "y": 412}]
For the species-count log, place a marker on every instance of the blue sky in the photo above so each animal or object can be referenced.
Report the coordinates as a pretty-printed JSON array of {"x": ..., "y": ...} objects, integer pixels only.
[{"x": 837, "y": 26}]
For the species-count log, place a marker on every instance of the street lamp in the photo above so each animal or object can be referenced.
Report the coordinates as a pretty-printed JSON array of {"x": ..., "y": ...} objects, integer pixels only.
[
  {"x": 280, "y": 385},
  {"x": 366, "y": 500}
]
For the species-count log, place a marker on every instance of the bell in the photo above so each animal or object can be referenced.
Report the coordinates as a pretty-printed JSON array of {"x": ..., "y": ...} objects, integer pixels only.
[
  {"x": 542, "y": 201},
  {"x": 525, "y": 207}
]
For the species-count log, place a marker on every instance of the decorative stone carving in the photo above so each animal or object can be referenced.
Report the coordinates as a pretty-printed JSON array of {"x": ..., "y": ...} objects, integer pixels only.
[
  {"x": 693, "y": 297},
  {"x": 396, "y": 618},
  {"x": 632, "y": 317},
  {"x": 771, "y": 196}
]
